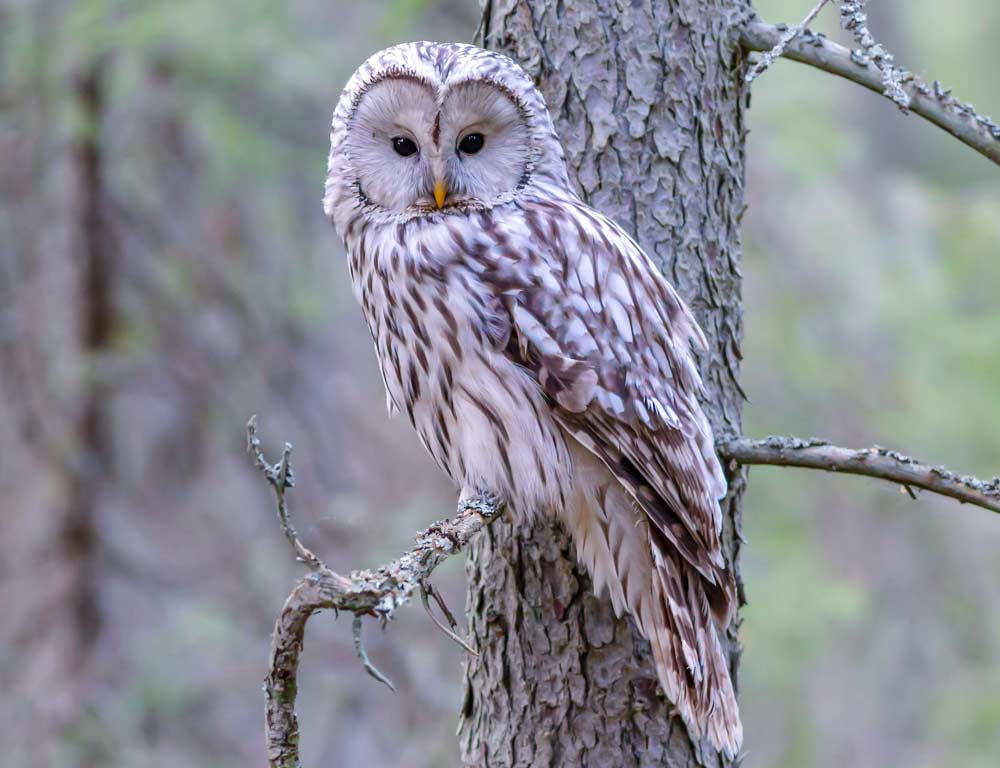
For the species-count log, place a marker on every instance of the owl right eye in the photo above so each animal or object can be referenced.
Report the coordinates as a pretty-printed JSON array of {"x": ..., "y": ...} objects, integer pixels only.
[{"x": 404, "y": 146}]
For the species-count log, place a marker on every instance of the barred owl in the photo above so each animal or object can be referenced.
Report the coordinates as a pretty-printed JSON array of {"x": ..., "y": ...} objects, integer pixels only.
[{"x": 534, "y": 347}]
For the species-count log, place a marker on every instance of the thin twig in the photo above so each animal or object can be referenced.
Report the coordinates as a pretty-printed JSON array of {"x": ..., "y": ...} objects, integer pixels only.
[
  {"x": 874, "y": 462},
  {"x": 359, "y": 648},
  {"x": 442, "y": 605},
  {"x": 779, "y": 48},
  {"x": 281, "y": 478},
  {"x": 931, "y": 102},
  {"x": 427, "y": 590}
]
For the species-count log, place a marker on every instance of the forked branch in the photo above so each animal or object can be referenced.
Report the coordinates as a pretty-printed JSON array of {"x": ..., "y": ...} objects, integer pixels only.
[
  {"x": 871, "y": 66},
  {"x": 377, "y": 592},
  {"x": 787, "y": 35}
]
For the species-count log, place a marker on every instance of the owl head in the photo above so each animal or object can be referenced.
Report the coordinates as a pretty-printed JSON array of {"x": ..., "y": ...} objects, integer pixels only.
[{"x": 433, "y": 129}]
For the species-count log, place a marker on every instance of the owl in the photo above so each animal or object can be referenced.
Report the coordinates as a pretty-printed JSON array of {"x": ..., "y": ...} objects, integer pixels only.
[{"x": 535, "y": 348}]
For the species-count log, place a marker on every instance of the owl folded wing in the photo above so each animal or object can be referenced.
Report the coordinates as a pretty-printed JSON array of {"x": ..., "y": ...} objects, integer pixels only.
[{"x": 610, "y": 342}]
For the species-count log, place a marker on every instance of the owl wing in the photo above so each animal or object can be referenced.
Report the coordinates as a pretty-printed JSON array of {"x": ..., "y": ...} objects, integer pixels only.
[{"x": 611, "y": 344}]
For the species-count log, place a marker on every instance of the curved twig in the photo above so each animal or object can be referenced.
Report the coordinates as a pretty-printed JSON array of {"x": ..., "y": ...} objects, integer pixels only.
[
  {"x": 873, "y": 462},
  {"x": 931, "y": 102},
  {"x": 281, "y": 478},
  {"x": 426, "y": 591},
  {"x": 359, "y": 648}
]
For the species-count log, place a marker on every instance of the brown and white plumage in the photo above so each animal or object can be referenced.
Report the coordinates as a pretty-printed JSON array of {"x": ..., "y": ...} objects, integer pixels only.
[{"x": 535, "y": 348}]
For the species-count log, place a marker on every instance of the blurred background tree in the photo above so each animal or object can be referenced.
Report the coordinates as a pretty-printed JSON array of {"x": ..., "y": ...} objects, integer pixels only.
[{"x": 140, "y": 568}]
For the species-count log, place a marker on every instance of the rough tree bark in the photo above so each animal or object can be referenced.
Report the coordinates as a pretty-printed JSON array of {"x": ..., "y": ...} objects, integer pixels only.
[{"x": 647, "y": 100}]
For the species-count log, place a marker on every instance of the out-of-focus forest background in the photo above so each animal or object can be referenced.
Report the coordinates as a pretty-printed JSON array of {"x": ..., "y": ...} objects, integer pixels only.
[{"x": 166, "y": 270}]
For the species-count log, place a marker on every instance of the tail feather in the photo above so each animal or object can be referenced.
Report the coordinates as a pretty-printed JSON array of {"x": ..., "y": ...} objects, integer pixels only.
[
  {"x": 708, "y": 703},
  {"x": 644, "y": 576}
]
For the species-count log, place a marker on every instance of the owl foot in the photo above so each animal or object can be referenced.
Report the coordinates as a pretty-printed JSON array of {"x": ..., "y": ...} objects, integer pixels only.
[{"x": 488, "y": 504}]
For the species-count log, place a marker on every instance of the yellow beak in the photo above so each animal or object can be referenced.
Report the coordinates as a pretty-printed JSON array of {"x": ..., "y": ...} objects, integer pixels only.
[{"x": 440, "y": 193}]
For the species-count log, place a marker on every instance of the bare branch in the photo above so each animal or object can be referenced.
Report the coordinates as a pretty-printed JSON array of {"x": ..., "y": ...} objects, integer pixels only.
[
  {"x": 873, "y": 462},
  {"x": 377, "y": 592},
  {"x": 932, "y": 102},
  {"x": 787, "y": 36}
]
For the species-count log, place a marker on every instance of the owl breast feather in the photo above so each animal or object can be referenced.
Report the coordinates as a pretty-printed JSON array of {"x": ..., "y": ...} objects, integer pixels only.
[{"x": 433, "y": 296}]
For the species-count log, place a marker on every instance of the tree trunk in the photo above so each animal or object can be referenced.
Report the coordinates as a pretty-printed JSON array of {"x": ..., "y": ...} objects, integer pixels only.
[
  {"x": 647, "y": 100},
  {"x": 69, "y": 620}
]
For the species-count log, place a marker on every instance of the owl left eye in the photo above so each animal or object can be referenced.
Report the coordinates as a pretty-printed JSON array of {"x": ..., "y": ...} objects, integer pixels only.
[{"x": 471, "y": 143}]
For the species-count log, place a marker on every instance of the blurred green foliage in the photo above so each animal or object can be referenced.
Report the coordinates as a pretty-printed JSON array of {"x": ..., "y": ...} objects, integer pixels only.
[{"x": 873, "y": 315}]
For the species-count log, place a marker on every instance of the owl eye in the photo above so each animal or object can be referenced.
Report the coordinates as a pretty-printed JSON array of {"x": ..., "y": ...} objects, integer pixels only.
[
  {"x": 404, "y": 146},
  {"x": 471, "y": 143}
]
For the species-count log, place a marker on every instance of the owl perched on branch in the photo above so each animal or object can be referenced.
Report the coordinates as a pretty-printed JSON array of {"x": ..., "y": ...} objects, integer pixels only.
[{"x": 537, "y": 351}]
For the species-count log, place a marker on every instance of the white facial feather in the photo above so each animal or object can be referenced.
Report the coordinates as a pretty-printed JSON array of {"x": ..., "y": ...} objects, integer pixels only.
[
  {"x": 394, "y": 107},
  {"x": 495, "y": 171},
  {"x": 436, "y": 122}
]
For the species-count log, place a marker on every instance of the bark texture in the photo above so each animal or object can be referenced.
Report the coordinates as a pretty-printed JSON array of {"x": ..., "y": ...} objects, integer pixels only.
[{"x": 646, "y": 97}]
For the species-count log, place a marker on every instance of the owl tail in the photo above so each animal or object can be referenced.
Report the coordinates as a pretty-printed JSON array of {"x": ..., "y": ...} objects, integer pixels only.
[
  {"x": 666, "y": 596},
  {"x": 689, "y": 660}
]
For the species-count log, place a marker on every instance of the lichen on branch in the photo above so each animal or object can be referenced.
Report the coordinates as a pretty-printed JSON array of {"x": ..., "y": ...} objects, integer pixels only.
[{"x": 872, "y": 66}]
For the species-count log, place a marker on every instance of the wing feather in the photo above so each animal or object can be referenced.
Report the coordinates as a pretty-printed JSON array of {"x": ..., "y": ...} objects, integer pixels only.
[{"x": 611, "y": 344}]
